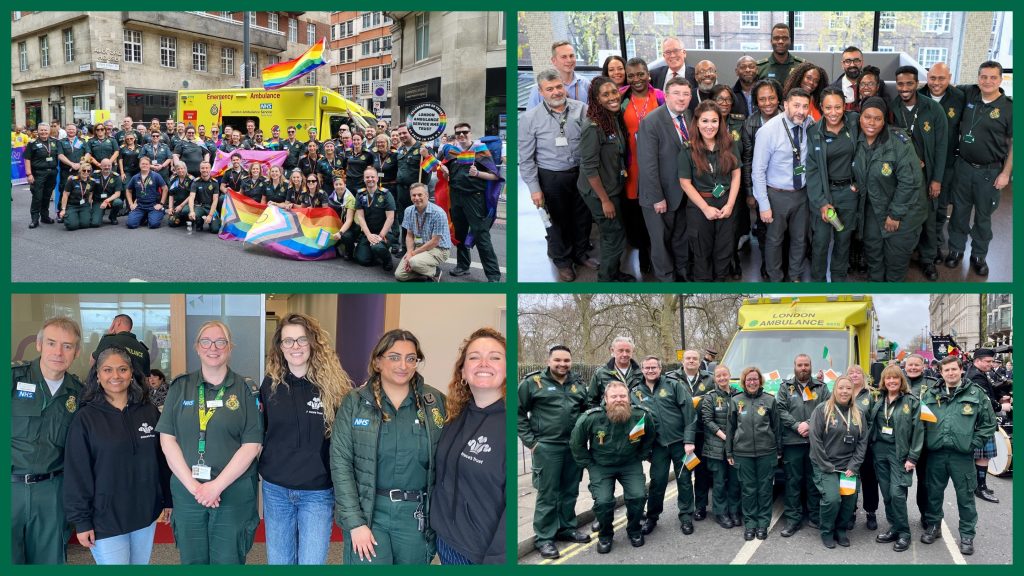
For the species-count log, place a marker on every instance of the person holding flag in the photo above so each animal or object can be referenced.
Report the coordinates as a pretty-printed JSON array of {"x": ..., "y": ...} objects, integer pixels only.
[
  {"x": 753, "y": 444},
  {"x": 475, "y": 184},
  {"x": 838, "y": 442},
  {"x": 611, "y": 442},
  {"x": 958, "y": 420},
  {"x": 865, "y": 397}
]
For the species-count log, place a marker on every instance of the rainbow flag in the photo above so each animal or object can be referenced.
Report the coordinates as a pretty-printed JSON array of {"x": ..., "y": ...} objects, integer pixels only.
[
  {"x": 638, "y": 429},
  {"x": 298, "y": 233},
  {"x": 285, "y": 73},
  {"x": 927, "y": 415},
  {"x": 429, "y": 163},
  {"x": 480, "y": 154}
]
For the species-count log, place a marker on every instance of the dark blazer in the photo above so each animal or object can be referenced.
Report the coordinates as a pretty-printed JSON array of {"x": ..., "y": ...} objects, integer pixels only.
[
  {"x": 658, "y": 74},
  {"x": 658, "y": 146},
  {"x": 739, "y": 102}
]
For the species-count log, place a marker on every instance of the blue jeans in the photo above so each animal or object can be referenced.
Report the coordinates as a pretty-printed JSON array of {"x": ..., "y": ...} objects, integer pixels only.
[
  {"x": 449, "y": 555},
  {"x": 298, "y": 524},
  {"x": 131, "y": 548},
  {"x": 140, "y": 214}
]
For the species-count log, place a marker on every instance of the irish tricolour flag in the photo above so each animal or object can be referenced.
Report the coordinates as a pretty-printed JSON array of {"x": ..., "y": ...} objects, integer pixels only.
[
  {"x": 827, "y": 356},
  {"x": 638, "y": 429},
  {"x": 927, "y": 415},
  {"x": 847, "y": 485}
]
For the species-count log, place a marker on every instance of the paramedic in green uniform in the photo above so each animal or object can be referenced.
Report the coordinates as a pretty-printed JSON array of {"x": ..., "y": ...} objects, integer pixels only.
[
  {"x": 203, "y": 200},
  {"x": 375, "y": 211},
  {"x": 109, "y": 188},
  {"x": 925, "y": 122},
  {"x": 781, "y": 62},
  {"x": 887, "y": 173},
  {"x": 951, "y": 100},
  {"x": 984, "y": 167},
  {"x": 797, "y": 398},
  {"x": 670, "y": 405},
  {"x": 178, "y": 189},
  {"x": 101, "y": 146},
  {"x": 753, "y": 444},
  {"x": 382, "y": 458},
  {"x": 839, "y": 441},
  {"x": 897, "y": 435},
  {"x": 920, "y": 383},
  {"x": 41, "y": 171},
  {"x": 79, "y": 207},
  {"x": 831, "y": 144},
  {"x": 211, "y": 431},
  {"x": 44, "y": 399},
  {"x": 611, "y": 442},
  {"x": 621, "y": 366},
  {"x": 408, "y": 158},
  {"x": 714, "y": 417},
  {"x": 550, "y": 401},
  {"x": 964, "y": 422}
]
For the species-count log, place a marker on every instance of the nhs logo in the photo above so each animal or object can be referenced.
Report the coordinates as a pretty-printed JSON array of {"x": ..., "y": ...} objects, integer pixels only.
[
  {"x": 361, "y": 422},
  {"x": 267, "y": 106}
]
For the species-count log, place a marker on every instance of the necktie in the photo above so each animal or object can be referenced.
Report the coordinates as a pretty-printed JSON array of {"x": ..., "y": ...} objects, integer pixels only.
[
  {"x": 798, "y": 180},
  {"x": 682, "y": 128}
]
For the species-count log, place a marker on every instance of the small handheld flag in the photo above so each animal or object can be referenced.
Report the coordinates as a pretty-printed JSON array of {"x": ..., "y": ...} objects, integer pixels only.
[
  {"x": 322, "y": 237},
  {"x": 927, "y": 415},
  {"x": 847, "y": 484},
  {"x": 691, "y": 461},
  {"x": 638, "y": 429},
  {"x": 696, "y": 401},
  {"x": 429, "y": 163},
  {"x": 466, "y": 157},
  {"x": 827, "y": 356},
  {"x": 809, "y": 394}
]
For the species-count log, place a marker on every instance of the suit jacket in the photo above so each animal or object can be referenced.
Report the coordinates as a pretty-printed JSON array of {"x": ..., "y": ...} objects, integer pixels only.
[
  {"x": 657, "y": 148},
  {"x": 658, "y": 74}
]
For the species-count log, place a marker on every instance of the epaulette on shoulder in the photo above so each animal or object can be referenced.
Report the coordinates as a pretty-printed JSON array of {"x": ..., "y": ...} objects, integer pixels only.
[
  {"x": 181, "y": 378},
  {"x": 594, "y": 409},
  {"x": 899, "y": 133},
  {"x": 737, "y": 116},
  {"x": 762, "y": 62},
  {"x": 252, "y": 385},
  {"x": 23, "y": 364},
  {"x": 798, "y": 59}
]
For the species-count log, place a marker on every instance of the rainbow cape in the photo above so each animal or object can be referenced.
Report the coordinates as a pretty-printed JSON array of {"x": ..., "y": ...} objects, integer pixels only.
[
  {"x": 285, "y": 73},
  {"x": 297, "y": 233}
]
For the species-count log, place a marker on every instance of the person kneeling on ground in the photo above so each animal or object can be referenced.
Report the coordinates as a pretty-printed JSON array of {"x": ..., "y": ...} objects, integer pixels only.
[{"x": 427, "y": 239}]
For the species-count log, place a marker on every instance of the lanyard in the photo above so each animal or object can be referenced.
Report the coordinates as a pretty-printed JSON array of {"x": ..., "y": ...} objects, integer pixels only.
[
  {"x": 974, "y": 113},
  {"x": 106, "y": 182},
  {"x": 562, "y": 120},
  {"x": 420, "y": 222},
  {"x": 795, "y": 144},
  {"x": 636, "y": 107},
  {"x": 81, "y": 188},
  {"x": 845, "y": 419},
  {"x": 205, "y": 415},
  {"x": 886, "y": 412},
  {"x": 910, "y": 124}
]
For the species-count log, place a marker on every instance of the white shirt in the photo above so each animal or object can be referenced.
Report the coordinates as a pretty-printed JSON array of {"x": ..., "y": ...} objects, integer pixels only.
[{"x": 848, "y": 92}]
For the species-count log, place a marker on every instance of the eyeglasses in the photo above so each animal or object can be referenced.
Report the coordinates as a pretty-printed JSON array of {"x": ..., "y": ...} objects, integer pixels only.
[
  {"x": 219, "y": 343},
  {"x": 396, "y": 358},
  {"x": 852, "y": 60},
  {"x": 869, "y": 84},
  {"x": 672, "y": 52},
  {"x": 461, "y": 132},
  {"x": 723, "y": 99},
  {"x": 302, "y": 342}
]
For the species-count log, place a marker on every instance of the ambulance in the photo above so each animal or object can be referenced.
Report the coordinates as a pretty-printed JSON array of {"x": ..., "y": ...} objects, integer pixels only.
[
  {"x": 835, "y": 331},
  {"x": 299, "y": 106}
]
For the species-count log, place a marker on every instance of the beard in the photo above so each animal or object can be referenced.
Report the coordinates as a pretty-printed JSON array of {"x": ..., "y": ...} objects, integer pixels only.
[
  {"x": 618, "y": 413},
  {"x": 853, "y": 73}
]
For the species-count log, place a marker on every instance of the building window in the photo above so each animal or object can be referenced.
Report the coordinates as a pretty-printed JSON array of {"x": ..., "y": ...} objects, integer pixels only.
[
  {"x": 422, "y": 36},
  {"x": 366, "y": 20},
  {"x": 69, "y": 45},
  {"x": 926, "y": 57},
  {"x": 385, "y": 44},
  {"x": 293, "y": 30},
  {"x": 226, "y": 15},
  {"x": 23, "y": 55},
  {"x": 936, "y": 22},
  {"x": 254, "y": 65},
  {"x": 750, "y": 20},
  {"x": 662, "y": 18},
  {"x": 887, "y": 22},
  {"x": 838, "y": 21},
  {"x": 272, "y": 21},
  {"x": 310, "y": 34},
  {"x": 798, "y": 20},
  {"x": 798, "y": 47},
  {"x": 16, "y": 16},
  {"x": 227, "y": 61},
  {"x": 199, "y": 56},
  {"x": 886, "y": 49},
  {"x": 345, "y": 78},
  {"x": 749, "y": 46},
  {"x": 272, "y": 59},
  {"x": 168, "y": 52},
  {"x": 133, "y": 46},
  {"x": 44, "y": 51},
  {"x": 348, "y": 28},
  {"x": 700, "y": 44},
  {"x": 311, "y": 78}
]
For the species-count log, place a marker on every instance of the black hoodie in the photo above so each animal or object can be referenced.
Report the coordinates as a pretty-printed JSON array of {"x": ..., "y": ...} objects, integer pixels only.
[
  {"x": 117, "y": 480},
  {"x": 295, "y": 453},
  {"x": 467, "y": 508}
]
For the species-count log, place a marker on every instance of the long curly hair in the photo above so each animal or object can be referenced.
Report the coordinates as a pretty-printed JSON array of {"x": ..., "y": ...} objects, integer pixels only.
[
  {"x": 796, "y": 77},
  {"x": 727, "y": 161},
  {"x": 383, "y": 345},
  {"x": 325, "y": 371},
  {"x": 605, "y": 120},
  {"x": 458, "y": 389}
]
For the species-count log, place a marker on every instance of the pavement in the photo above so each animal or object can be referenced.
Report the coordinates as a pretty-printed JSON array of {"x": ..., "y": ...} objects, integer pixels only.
[
  {"x": 712, "y": 544},
  {"x": 110, "y": 253},
  {"x": 534, "y": 265}
]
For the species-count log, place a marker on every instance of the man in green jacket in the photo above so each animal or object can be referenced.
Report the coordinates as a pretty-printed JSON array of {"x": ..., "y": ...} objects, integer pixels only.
[
  {"x": 611, "y": 441},
  {"x": 888, "y": 175},
  {"x": 781, "y": 62},
  {"x": 925, "y": 122},
  {"x": 44, "y": 399},
  {"x": 620, "y": 367},
  {"x": 795, "y": 401},
  {"x": 550, "y": 401},
  {"x": 951, "y": 100},
  {"x": 671, "y": 406},
  {"x": 959, "y": 420},
  {"x": 698, "y": 383}
]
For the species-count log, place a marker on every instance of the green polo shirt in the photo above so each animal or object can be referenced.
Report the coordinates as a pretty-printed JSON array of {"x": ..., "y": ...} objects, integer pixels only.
[
  {"x": 990, "y": 125},
  {"x": 403, "y": 451},
  {"x": 238, "y": 421},
  {"x": 39, "y": 420}
]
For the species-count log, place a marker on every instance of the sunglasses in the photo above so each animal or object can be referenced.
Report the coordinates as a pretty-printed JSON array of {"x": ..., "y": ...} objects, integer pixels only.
[
  {"x": 313, "y": 180},
  {"x": 461, "y": 132}
]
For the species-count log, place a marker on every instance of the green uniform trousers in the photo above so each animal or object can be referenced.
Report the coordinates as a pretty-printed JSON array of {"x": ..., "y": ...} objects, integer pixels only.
[
  {"x": 201, "y": 211},
  {"x": 943, "y": 466},
  {"x": 942, "y": 210},
  {"x": 556, "y": 477},
  {"x": 368, "y": 255},
  {"x": 972, "y": 190},
  {"x": 83, "y": 216},
  {"x": 928, "y": 241},
  {"x": 922, "y": 482},
  {"x": 112, "y": 212},
  {"x": 725, "y": 487},
  {"x": 612, "y": 234},
  {"x": 602, "y": 487},
  {"x": 836, "y": 511},
  {"x": 469, "y": 216},
  {"x": 661, "y": 457},
  {"x": 894, "y": 481},
  {"x": 756, "y": 474},
  {"x": 796, "y": 462},
  {"x": 888, "y": 258},
  {"x": 844, "y": 201},
  {"x": 398, "y": 540},
  {"x": 221, "y": 535},
  {"x": 39, "y": 533},
  {"x": 701, "y": 474},
  {"x": 42, "y": 190}
]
